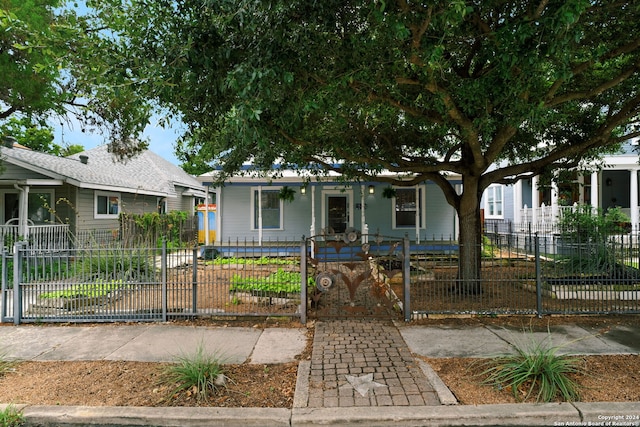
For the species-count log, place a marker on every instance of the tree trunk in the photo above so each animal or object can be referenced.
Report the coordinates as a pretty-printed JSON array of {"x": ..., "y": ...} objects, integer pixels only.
[{"x": 469, "y": 240}]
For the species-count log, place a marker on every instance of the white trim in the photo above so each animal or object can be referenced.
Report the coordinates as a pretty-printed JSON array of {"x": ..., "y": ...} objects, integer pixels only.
[
  {"x": 421, "y": 209},
  {"x": 337, "y": 191},
  {"x": 261, "y": 189},
  {"x": 97, "y": 194},
  {"x": 486, "y": 204}
]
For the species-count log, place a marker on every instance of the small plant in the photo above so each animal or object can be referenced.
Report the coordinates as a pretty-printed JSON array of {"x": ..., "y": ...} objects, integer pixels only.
[
  {"x": 198, "y": 373},
  {"x": 287, "y": 194},
  {"x": 388, "y": 192},
  {"x": 538, "y": 370},
  {"x": 10, "y": 416}
]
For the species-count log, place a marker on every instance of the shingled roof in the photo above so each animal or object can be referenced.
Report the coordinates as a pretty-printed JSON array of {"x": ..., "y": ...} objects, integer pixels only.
[{"x": 146, "y": 173}]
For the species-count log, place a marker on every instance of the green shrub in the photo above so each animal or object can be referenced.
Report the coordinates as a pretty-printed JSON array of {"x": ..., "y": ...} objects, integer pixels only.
[
  {"x": 538, "y": 370},
  {"x": 197, "y": 373},
  {"x": 114, "y": 264},
  {"x": 86, "y": 290}
]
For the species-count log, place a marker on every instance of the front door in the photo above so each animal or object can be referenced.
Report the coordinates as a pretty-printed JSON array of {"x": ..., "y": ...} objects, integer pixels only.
[{"x": 337, "y": 213}]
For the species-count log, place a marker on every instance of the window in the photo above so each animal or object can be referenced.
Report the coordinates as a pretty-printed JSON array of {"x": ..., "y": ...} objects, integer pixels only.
[
  {"x": 406, "y": 208},
  {"x": 161, "y": 203},
  {"x": 40, "y": 207},
  {"x": 107, "y": 205},
  {"x": 493, "y": 204},
  {"x": 271, "y": 205}
]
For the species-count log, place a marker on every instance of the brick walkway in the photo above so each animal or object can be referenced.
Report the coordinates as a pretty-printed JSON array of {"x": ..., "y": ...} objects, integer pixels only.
[{"x": 364, "y": 363}]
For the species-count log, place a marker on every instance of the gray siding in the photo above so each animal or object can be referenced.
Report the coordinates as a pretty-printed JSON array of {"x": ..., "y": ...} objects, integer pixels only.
[{"x": 11, "y": 171}]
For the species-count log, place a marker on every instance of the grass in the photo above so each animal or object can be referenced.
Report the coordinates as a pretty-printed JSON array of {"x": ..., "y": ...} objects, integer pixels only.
[
  {"x": 537, "y": 370},
  {"x": 195, "y": 373},
  {"x": 10, "y": 416}
]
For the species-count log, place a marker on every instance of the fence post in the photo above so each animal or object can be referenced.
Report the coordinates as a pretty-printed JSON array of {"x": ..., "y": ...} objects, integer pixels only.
[
  {"x": 406, "y": 276},
  {"x": 17, "y": 278},
  {"x": 163, "y": 273},
  {"x": 538, "y": 275},
  {"x": 303, "y": 281},
  {"x": 5, "y": 285},
  {"x": 194, "y": 280}
]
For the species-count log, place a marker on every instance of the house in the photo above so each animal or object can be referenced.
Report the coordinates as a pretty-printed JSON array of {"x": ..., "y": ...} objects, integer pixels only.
[
  {"x": 262, "y": 208},
  {"x": 535, "y": 205},
  {"x": 46, "y": 198}
]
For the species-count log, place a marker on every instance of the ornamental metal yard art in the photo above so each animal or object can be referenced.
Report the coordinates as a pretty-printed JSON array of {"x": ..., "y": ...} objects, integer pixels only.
[{"x": 354, "y": 275}]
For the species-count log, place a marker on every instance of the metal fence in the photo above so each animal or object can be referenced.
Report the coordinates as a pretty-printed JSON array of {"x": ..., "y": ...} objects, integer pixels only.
[
  {"x": 521, "y": 273},
  {"x": 150, "y": 284}
]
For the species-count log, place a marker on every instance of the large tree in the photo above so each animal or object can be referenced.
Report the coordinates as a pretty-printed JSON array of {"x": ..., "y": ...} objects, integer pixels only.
[
  {"x": 492, "y": 90},
  {"x": 59, "y": 63}
]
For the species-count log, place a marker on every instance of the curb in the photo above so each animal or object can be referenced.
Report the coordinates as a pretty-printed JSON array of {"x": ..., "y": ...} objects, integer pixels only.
[{"x": 558, "y": 414}]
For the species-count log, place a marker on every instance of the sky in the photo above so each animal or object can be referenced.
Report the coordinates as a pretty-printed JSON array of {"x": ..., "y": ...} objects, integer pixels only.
[{"x": 161, "y": 140}]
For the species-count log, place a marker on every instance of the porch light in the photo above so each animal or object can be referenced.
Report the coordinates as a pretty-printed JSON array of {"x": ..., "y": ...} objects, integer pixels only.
[
  {"x": 372, "y": 189},
  {"x": 609, "y": 182},
  {"x": 303, "y": 190}
]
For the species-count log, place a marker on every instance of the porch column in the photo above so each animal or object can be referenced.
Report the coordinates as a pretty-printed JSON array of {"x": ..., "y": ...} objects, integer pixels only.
[
  {"x": 364, "y": 228},
  {"x": 312, "y": 230},
  {"x": 535, "y": 201},
  {"x": 418, "y": 214},
  {"x": 633, "y": 199},
  {"x": 554, "y": 201},
  {"x": 517, "y": 202},
  {"x": 260, "y": 215},
  {"x": 23, "y": 215},
  {"x": 595, "y": 201}
]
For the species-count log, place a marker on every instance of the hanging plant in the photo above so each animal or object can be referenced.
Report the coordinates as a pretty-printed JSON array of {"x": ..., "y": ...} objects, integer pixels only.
[
  {"x": 389, "y": 192},
  {"x": 287, "y": 194}
]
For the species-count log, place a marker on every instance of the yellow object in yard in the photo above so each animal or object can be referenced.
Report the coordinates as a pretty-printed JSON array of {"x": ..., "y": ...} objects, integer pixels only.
[{"x": 209, "y": 225}]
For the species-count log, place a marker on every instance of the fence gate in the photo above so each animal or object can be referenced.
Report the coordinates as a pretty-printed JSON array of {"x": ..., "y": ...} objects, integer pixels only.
[{"x": 354, "y": 275}]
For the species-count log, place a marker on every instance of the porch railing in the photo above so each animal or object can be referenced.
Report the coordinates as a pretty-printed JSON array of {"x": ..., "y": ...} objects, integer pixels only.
[{"x": 41, "y": 237}]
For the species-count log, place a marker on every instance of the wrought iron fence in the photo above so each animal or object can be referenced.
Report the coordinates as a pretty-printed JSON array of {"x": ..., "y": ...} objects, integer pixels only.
[
  {"x": 521, "y": 273},
  {"x": 147, "y": 284}
]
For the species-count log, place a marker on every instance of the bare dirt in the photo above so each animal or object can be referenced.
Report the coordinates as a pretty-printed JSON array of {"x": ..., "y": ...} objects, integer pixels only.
[{"x": 611, "y": 378}]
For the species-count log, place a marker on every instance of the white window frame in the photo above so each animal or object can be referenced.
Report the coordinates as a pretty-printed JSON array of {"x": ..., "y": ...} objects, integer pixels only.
[
  {"x": 422, "y": 209},
  {"x": 490, "y": 199},
  {"x": 254, "y": 220},
  {"x": 107, "y": 194}
]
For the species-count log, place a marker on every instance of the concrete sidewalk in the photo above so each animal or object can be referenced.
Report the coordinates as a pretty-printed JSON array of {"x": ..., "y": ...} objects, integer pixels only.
[{"x": 162, "y": 342}]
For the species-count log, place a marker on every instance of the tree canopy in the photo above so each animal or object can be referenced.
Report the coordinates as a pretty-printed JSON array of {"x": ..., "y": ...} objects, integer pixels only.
[
  {"x": 58, "y": 63},
  {"x": 413, "y": 87},
  {"x": 493, "y": 90}
]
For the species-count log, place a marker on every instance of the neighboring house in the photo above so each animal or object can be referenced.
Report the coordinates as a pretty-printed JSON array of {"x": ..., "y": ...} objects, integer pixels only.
[
  {"x": 45, "y": 197},
  {"x": 529, "y": 204},
  {"x": 250, "y": 207}
]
